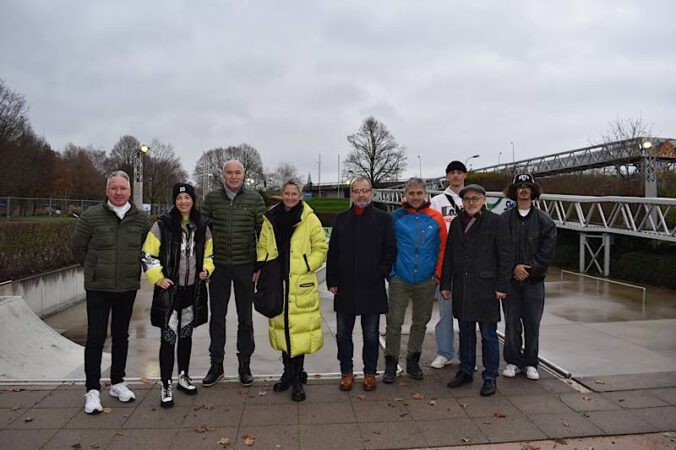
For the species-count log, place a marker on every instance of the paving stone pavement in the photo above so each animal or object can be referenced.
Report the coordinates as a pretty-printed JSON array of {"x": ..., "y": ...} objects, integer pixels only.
[{"x": 406, "y": 414}]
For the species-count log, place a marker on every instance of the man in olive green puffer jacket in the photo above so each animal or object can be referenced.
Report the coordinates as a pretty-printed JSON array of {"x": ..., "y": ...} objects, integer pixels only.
[
  {"x": 107, "y": 243},
  {"x": 237, "y": 217}
]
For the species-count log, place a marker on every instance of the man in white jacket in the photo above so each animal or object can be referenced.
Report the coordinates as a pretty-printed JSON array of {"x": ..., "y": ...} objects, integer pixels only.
[{"x": 449, "y": 204}]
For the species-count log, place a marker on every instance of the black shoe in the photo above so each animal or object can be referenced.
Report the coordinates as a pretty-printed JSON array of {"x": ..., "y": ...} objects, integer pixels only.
[
  {"x": 390, "y": 370},
  {"x": 245, "y": 378},
  {"x": 298, "y": 393},
  {"x": 413, "y": 367},
  {"x": 215, "y": 373},
  {"x": 460, "y": 379},
  {"x": 488, "y": 388}
]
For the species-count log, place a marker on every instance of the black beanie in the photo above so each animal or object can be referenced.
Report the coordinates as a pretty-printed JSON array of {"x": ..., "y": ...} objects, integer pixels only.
[
  {"x": 180, "y": 188},
  {"x": 456, "y": 165}
]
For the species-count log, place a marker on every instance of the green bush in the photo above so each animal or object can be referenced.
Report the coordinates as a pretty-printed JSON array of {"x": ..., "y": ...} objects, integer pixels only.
[
  {"x": 32, "y": 247},
  {"x": 329, "y": 204}
]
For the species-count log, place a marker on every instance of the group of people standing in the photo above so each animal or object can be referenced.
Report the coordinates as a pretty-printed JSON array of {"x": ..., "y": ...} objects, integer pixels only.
[{"x": 452, "y": 249}]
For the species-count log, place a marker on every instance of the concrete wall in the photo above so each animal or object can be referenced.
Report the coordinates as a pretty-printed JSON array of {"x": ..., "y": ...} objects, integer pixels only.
[{"x": 50, "y": 292}]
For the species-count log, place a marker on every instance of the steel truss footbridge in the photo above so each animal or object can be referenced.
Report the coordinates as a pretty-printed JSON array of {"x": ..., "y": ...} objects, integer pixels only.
[{"x": 597, "y": 219}]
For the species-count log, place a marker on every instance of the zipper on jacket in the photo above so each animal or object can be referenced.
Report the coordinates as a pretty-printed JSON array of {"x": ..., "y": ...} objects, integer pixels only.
[
  {"x": 417, "y": 228},
  {"x": 307, "y": 264}
]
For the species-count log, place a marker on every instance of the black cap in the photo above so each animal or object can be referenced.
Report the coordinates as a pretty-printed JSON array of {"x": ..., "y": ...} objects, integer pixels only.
[
  {"x": 180, "y": 188},
  {"x": 472, "y": 187},
  {"x": 524, "y": 179},
  {"x": 456, "y": 165}
]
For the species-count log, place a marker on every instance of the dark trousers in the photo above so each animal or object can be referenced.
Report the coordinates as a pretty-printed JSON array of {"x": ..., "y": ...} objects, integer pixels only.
[
  {"x": 523, "y": 313},
  {"x": 180, "y": 339},
  {"x": 369, "y": 327},
  {"x": 219, "y": 296},
  {"x": 99, "y": 306},
  {"x": 490, "y": 352}
]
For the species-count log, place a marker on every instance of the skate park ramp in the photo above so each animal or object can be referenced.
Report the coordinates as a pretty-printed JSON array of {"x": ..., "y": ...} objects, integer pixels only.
[{"x": 32, "y": 351}]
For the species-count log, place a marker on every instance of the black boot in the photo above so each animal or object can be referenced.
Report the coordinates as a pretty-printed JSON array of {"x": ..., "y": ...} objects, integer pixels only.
[
  {"x": 286, "y": 379},
  {"x": 298, "y": 393},
  {"x": 215, "y": 373},
  {"x": 245, "y": 377},
  {"x": 390, "y": 369},
  {"x": 412, "y": 367}
]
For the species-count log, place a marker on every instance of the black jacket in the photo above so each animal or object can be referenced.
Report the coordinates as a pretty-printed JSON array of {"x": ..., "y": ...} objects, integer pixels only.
[
  {"x": 170, "y": 254},
  {"x": 538, "y": 249},
  {"x": 362, "y": 250},
  {"x": 477, "y": 265}
]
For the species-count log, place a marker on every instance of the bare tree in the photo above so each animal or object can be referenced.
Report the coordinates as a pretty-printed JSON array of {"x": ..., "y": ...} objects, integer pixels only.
[
  {"x": 284, "y": 172},
  {"x": 78, "y": 176},
  {"x": 207, "y": 173},
  {"x": 122, "y": 155},
  {"x": 13, "y": 115},
  {"x": 627, "y": 131},
  {"x": 375, "y": 153},
  {"x": 162, "y": 169}
]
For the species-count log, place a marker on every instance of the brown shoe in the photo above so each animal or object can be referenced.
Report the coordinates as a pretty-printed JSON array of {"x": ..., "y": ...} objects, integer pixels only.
[
  {"x": 370, "y": 382},
  {"x": 346, "y": 381}
]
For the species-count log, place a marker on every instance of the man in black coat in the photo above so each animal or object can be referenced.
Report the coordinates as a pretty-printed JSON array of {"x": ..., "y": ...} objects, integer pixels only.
[
  {"x": 533, "y": 235},
  {"x": 477, "y": 269},
  {"x": 362, "y": 250}
]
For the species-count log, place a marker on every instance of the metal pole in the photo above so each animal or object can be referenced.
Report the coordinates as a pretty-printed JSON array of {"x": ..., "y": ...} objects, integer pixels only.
[
  {"x": 319, "y": 175},
  {"x": 338, "y": 184},
  {"x": 513, "y": 154},
  {"x": 583, "y": 240}
]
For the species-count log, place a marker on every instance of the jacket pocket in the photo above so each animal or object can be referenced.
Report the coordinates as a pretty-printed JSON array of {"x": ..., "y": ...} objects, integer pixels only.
[
  {"x": 306, "y": 293},
  {"x": 487, "y": 274}
]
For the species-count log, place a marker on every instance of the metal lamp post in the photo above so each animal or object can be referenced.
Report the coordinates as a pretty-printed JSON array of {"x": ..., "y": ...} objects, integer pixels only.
[
  {"x": 138, "y": 174},
  {"x": 471, "y": 157}
]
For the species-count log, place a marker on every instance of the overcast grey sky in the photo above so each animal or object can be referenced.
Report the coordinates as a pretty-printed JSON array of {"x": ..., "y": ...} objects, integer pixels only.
[{"x": 293, "y": 78}]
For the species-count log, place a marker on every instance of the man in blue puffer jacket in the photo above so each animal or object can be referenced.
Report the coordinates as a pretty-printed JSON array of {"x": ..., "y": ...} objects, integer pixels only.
[{"x": 420, "y": 233}]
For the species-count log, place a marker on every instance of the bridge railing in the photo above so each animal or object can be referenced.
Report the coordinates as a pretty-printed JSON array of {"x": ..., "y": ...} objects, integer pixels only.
[{"x": 652, "y": 218}]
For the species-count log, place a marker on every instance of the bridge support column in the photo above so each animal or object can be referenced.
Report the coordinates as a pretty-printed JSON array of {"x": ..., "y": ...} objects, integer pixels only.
[{"x": 593, "y": 245}]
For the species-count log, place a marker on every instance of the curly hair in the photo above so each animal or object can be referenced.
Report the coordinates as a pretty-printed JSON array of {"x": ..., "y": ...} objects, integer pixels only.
[{"x": 535, "y": 190}]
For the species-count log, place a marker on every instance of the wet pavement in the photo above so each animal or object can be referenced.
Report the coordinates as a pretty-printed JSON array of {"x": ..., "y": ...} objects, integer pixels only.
[{"x": 623, "y": 384}]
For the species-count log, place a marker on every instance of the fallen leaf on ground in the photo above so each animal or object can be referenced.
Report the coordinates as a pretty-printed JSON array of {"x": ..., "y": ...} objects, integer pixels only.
[
  {"x": 107, "y": 410},
  {"x": 76, "y": 446},
  {"x": 465, "y": 440},
  {"x": 403, "y": 383},
  {"x": 565, "y": 424},
  {"x": 464, "y": 405},
  {"x": 119, "y": 433},
  {"x": 361, "y": 397},
  {"x": 28, "y": 419},
  {"x": 263, "y": 393},
  {"x": 249, "y": 440},
  {"x": 432, "y": 402},
  {"x": 403, "y": 414},
  {"x": 18, "y": 389},
  {"x": 599, "y": 382},
  {"x": 499, "y": 415},
  {"x": 224, "y": 441},
  {"x": 418, "y": 396},
  {"x": 241, "y": 392},
  {"x": 317, "y": 376},
  {"x": 586, "y": 398},
  {"x": 203, "y": 429},
  {"x": 16, "y": 408},
  {"x": 398, "y": 399},
  {"x": 144, "y": 380}
]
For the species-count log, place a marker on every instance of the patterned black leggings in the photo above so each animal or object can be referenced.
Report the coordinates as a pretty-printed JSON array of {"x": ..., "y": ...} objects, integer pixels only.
[{"x": 179, "y": 329}]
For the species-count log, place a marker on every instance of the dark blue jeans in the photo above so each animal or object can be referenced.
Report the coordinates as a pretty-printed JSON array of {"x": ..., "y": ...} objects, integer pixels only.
[
  {"x": 490, "y": 352},
  {"x": 369, "y": 327},
  {"x": 523, "y": 313}
]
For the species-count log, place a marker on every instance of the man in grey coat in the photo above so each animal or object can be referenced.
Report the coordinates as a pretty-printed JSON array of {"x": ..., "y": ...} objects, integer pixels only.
[{"x": 476, "y": 274}]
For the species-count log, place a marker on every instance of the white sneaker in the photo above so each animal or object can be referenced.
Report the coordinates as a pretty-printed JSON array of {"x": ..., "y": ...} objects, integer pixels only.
[
  {"x": 122, "y": 392},
  {"x": 167, "y": 396},
  {"x": 511, "y": 371},
  {"x": 440, "y": 362},
  {"x": 93, "y": 402},
  {"x": 532, "y": 373},
  {"x": 185, "y": 384}
]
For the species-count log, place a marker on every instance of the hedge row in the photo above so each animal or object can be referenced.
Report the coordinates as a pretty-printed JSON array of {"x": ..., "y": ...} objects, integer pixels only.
[{"x": 32, "y": 247}]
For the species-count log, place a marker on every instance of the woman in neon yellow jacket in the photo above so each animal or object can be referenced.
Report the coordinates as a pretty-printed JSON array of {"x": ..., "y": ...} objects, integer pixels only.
[{"x": 293, "y": 233}]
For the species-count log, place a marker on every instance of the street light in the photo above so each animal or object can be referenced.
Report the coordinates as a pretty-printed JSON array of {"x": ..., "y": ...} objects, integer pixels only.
[
  {"x": 513, "y": 158},
  {"x": 499, "y": 156},
  {"x": 420, "y": 166},
  {"x": 138, "y": 174},
  {"x": 471, "y": 157}
]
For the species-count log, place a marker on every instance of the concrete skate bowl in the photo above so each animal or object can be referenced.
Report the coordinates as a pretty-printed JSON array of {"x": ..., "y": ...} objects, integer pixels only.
[{"x": 32, "y": 352}]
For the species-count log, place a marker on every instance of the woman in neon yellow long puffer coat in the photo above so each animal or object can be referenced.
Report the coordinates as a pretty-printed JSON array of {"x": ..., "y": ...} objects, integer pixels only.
[{"x": 293, "y": 233}]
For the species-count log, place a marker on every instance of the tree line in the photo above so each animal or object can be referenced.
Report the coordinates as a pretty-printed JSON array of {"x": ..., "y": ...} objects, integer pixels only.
[{"x": 30, "y": 167}]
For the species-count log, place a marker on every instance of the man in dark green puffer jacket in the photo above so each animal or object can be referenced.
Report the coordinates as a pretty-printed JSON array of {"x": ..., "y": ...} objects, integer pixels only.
[
  {"x": 237, "y": 215},
  {"x": 107, "y": 243}
]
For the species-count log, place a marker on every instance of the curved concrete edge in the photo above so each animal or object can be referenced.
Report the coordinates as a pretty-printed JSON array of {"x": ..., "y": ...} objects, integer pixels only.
[{"x": 31, "y": 350}]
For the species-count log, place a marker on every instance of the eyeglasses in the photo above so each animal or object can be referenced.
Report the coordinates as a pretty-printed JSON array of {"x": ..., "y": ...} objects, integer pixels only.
[
  {"x": 471, "y": 199},
  {"x": 361, "y": 191}
]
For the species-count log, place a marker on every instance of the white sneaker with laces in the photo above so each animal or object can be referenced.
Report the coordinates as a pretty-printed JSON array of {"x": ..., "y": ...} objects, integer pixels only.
[
  {"x": 122, "y": 392},
  {"x": 532, "y": 373},
  {"x": 440, "y": 362},
  {"x": 93, "y": 402},
  {"x": 185, "y": 384},
  {"x": 511, "y": 371},
  {"x": 167, "y": 396}
]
